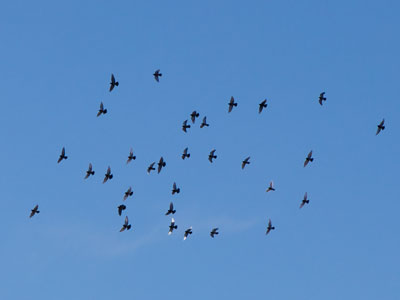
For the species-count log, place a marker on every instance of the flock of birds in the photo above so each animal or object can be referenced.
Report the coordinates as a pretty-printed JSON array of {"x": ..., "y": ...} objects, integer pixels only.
[{"x": 161, "y": 163}]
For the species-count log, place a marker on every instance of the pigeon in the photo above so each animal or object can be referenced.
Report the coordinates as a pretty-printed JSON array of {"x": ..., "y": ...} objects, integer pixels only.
[
  {"x": 171, "y": 209},
  {"x": 211, "y": 156},
  {"x": 321, "y": 97},
  {"x": 101, "y": 110},
  {"x": 308, "y": 158},
  {"x": 131, "y": 156},
  {"x": 161, "y": 164},
  {"x": 185, "y": 153},
  {"x": 185, "y": 126},
  {"x": 304, "y": 201},
  {"x": 231, "y": 104},
  {"x": 151, "y": 167},
  {"x": 380, "y": 127},
  {"x": 204, "y": 123},
  {"x": 34, "y": 211},
  {"x": 187, "y": 232},
  {"x": 262, "y": 105},
  {"x": 62, "y": 156},
  {"x": 175, "y": 189},
  {"x": 108, "y": 175},
  {"x": 270, "y": 227},
  {"x": 214, "y": 232},
  {"x": 172, "y": 226},
  {"x": 271, "y": 187},
  {"x": 245, "y": 162},
  {"x": 89, "y": 171},
  {"x": 194, "y": 115},
  {"x": 113, "y": 83},
  {"x": 121, "y": 208},
  {"x": 157, "y": 74},
  {"x": 126, "y": 225},
  {"x": 128, "y": 193}
]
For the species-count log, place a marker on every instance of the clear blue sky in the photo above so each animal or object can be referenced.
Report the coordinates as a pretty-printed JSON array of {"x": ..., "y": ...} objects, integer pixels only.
[{"x": 56, "y": 61}]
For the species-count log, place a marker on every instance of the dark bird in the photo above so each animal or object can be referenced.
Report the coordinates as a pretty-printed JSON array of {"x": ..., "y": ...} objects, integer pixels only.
[
  {"x": 175, "y": 189},
  {"x": 245, "y": 162},
  {"x": 157, "y": 74},
  {"x": 270, "y": 227},
  {"x": 161, "y": 164},
  {"x": 262, "y": 105},
  {"x": 214, "y": 232},
  {"x": 89, "y": 171},
  {"x": 321, "y": 97},
  {"x": 171, "y": 209},
  {"x": 126, "y": 225},
  {"x": 34, "y": 211},
  {"x": 131, "y": 156},
  {"x": 108, "y": 175},
  {"x": 62, "y": 156},
  {"x": 204, "y": 123},
  {"x": 194, "y": 115},
  {"x": 211, "y": 156},
  {"x": 121, "y": 208},
  {"x": 305, "y": 200},
  {"x": 151, "y": 167},
  {"x": 271, "y": 187},
  {"x": 308, "y": 158},
  {"x": 380, "y": 127},
  {"x": 187, "y": 232},
  {"x": 128, "y": 193},
  {"x": 101, "y": 110},
  {"x": 231, "y": 104},
  {"x": 185, "y": 153},
  {"x": 172, "y": 226},
  {"x": 113, "y": 83},
  {"x": 185, "y": 126}
]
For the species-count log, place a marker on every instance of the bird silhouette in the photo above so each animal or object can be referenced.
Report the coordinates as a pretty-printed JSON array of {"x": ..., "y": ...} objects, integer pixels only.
[
  {"x": 304, "y": 201},
  {"x": 309, "y": 158},
  {"x": 157, "y": 74},
  {"x": 245, "y": 162},
  {"x": 34, "y": 211},
  {"x": 321, "y": 98},
  {"x": 128, "y": 193},
  {"x": 121, "y": 208},
  {"x": 270, "y": 227},
  {"x": 185, "y": 126},
  {"x": 231, "y": 104},
  {"x": 194, "y": 115},
  {"x": 171, "y": 209},
  {"x": 262, "y": 105},
  {"x": 151, "y": 167},
  {"x": 185, "y": 153},
  {"x": 175, "y": 190},
  {"x": 108, "y": 175},
  {"x": 187, "y": 233},
  {"x": 204, "y": 123},
  {"x": 380, "y": 127},
  {"x": 131, "y": 156},
  {"x": 161, "y": 164},
  {"x": 89, "y": 171},
  {"x": 172, "y": 226},
  {"x": 214, "y": 232},
  {"x": 113, "y": 83},
  {"x": 271, "y": 187},
  {"x": 126, "y": 225},
  {"x": 62, "y": 156},
  {"x": 101, "y": 110},
  {"x": 211, "y": 156}
]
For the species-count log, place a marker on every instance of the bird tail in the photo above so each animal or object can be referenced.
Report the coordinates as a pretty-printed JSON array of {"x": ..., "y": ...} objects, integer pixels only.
[
  {"x": 197, "y": 115},
  {"x": 188, "y": 155},
  {"x": 307, "y": 201},
  {"x": 105, "y": 111},
  {"x": 111, "y": 176},
  {"x": 134, "y": 157},
  {"x": 235, "y": 104},
  {"x": 178, "y": 191},
  {"x": 117, "y": 83},
  {"x": 164, "y": 164},
  {"x": 66, "y": 157},
  {"x": 38, "y": 211},
  {"x": 383, "y": 127},
  {"x": 128, "y": 227},
  {"x": 311, "y": 159},
  {"x": 174, "y": 211}
]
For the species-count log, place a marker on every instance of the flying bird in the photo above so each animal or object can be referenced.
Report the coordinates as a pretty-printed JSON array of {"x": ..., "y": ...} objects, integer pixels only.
[
  {"x": 245, "y": 162},
  {"x": 204, "y": 123},
  {"x": 151, "y": 167},
  {"x": 131, "y": 156},
  {"x": 185, "y": 153},
  {"x": 305, "y": 200},
  {"x": 171, "y": 209},
  {"x": 161, "y": 164},
  {"x": 194, "y": 115},
  {"x": 211, "y": 156},
  {"x": 34, "y": 211},
  {"x": 231, "y": 104},
  {"x": 157, "y": 74},
  {"x": 108, "y": 175},
  {"x": 126, "y": 225},
  {"x": 185, "y": 126},
  {"x": 262, "y": 105},
  {"x": 380, "y": 127},
  {"x": 270, "y": 227},
  {"x": 89, "y": 171},
  {"x": 175, "y": 189},
  {"x": 172, "y": 226},
  {"x": 187, "y": 232},
  {"x": 271, "y": 187},
  {"x": 121, "y": 208},
  {"x": 128, "y": 193},
  {"x": 113, "y": 83},
  {"x": 214, "y": 232},
  {"x": 62, "y": 156},
  {"x": 308, "y": 158},
  {"x": 101, "y": 110},
  {"x": 321, "y": 97}
]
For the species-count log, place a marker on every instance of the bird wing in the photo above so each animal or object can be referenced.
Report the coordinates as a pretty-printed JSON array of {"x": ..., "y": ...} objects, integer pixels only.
[
  {"x": 90, "y": 167},
  {"x": 108, "y": 170},
  {"x": 171, "y": 206},
  {"x": 174, "y": 186},
  {"x": 63, "y": 151},
  {"x": 305, "y": 196},
  {"x": 309, "y": 154},
  {"x": 126, "y": 220},
  {"x": 383, "y": 122},
  {"x": 112, "y": 79},
  {"x": 101, "y": 106}
]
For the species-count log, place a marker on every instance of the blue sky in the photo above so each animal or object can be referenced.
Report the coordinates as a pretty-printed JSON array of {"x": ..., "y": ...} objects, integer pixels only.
[{"x": 56, "y": 65}]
